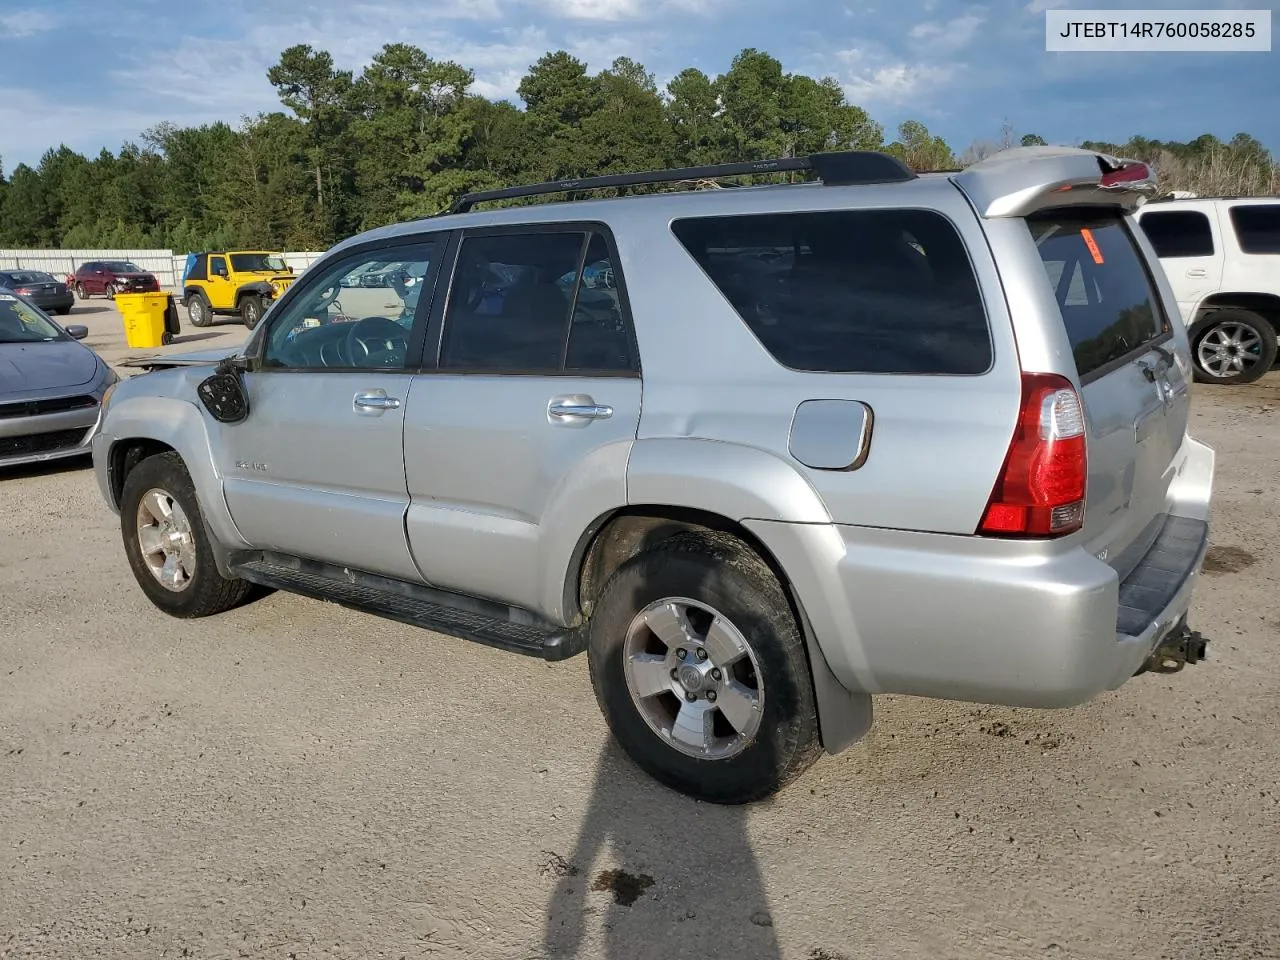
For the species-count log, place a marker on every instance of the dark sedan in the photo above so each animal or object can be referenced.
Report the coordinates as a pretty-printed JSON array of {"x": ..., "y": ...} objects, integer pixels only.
[
  {"x": 44, "y": 290},
  {"x": 51, "y": 386}
]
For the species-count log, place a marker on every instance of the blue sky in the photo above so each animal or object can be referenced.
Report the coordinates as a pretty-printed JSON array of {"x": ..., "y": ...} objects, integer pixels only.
[{"x": 95, "y": 73}]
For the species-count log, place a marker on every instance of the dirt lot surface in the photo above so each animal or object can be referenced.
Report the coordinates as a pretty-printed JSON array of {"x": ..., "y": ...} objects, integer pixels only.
[{"x": 294, "y": 780}]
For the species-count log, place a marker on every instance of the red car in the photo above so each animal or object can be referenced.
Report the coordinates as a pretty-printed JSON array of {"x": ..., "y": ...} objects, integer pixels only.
[{"x": 109, "y": 277}]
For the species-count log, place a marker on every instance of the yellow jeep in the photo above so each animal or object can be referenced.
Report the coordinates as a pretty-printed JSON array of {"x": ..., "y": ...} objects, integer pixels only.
[{"x": 237, "y": 282}]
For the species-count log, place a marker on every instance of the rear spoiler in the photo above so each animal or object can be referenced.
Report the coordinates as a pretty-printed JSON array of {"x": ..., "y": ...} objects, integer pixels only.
[{"x": 1020, "y": 181}]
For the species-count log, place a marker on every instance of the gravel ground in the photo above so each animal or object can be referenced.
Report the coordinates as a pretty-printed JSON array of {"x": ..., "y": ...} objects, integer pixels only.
[{"x": 294, "y": 780}]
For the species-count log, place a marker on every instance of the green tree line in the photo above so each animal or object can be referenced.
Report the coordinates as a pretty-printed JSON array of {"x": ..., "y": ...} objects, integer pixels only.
[{"x": 408, "y": 134}]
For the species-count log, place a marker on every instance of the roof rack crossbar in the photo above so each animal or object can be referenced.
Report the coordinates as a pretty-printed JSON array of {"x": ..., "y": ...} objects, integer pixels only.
[{"x": 834, "y": 168}]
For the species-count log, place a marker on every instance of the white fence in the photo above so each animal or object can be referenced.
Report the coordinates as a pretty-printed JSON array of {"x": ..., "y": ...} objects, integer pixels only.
[{"x": 165, "y": 264}]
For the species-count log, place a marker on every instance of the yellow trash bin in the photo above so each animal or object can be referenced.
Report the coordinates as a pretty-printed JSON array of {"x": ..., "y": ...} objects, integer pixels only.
[{"x": 144, "y": 318}]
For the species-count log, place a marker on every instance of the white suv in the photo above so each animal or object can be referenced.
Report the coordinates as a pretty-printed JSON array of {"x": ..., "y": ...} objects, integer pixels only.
[{"x": 1223, "y": 261}]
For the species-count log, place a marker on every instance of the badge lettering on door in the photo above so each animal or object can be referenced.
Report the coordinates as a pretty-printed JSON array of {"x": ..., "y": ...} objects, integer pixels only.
[{"x": 248, "y": 465}]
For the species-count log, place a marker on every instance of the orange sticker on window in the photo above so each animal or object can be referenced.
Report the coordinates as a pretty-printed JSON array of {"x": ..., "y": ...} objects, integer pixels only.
[{"x": 1091, "y": 243}]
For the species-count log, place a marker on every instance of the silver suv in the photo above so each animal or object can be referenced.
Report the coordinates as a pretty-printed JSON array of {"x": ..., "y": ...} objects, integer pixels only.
[{"x": 761, "y": 452}]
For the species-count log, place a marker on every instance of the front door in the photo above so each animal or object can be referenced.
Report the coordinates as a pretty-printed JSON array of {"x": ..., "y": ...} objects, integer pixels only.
[
  {"x": 317, "y": 469},
  {"x": 520, "y": 436}
]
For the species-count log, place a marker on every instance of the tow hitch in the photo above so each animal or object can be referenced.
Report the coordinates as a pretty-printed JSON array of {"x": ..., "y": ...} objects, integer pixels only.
[{"x": 1180, "y": 647}]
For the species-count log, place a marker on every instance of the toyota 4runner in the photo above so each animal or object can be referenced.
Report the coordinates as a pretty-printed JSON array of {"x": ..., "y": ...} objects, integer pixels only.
[{"x": 761, "y": 452}]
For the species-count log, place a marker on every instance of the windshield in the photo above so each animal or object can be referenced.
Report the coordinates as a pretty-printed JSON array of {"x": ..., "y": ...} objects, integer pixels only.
[
  {"x": 123, "y": 266},
  {"x": 256, "y": 263},
  {"x": 21, "y": 323}
]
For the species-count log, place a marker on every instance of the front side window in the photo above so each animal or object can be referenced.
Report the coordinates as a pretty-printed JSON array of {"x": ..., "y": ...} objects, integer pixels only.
[
  {"x": 218, "y": 266},
  {"x": 1257, "y": 227},
  {"x": 1178, "y": 233},
  {"x": 1106, "y": 298},
  {"x": 850, "y": 291},
  {"x": 23, "y": 323},
  {"x": 337, "y": 324}
]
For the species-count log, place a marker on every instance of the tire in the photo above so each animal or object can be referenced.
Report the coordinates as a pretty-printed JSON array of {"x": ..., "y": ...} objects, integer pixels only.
[
  {"x": 251, "y": 310},
  {"x": 204, "y": 591},
  {"x": 1233, "y": 346},
  {"x": 64, "y": 311},
  {"x": 721, "y": 575},
  {"x": 198, "y": 310},
  {"x": 80, "y": 292},
  {"x": 109, "y": 291}
]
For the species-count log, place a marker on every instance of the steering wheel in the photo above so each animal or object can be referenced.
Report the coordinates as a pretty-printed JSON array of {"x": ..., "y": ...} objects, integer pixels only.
[{"x": 376, "y": 342}]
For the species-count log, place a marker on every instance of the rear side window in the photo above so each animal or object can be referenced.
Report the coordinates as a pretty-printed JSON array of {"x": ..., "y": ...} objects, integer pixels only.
[
  {"x": 1108, "y": 303},
  {"x": 1257, "y": 227},
  {"x": 1178, "y": 233},
  {"x": 857, "y": 291},
  {"x": 539, "y": 304}
]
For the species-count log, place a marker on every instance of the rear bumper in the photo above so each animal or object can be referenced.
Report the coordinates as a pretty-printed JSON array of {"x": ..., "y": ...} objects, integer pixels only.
[{"x": 992, "y": 621}]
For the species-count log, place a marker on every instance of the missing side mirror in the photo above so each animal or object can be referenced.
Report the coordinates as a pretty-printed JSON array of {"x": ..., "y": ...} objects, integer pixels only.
[{"x": 223, "y": 394}]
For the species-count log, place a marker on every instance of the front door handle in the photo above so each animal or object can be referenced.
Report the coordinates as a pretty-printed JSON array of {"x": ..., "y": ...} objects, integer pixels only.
[
  {"x": 578, "y": 408},
  {"x": 375, "y": 401},
  {"x": 1197, "y": 273}
]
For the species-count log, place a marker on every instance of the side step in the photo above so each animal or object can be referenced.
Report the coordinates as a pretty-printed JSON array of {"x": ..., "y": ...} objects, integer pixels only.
[{"x": 492, "y": 624}]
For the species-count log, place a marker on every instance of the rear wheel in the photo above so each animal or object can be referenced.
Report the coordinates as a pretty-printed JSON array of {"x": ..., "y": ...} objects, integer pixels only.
[
  {"x": 198, "y": 310},
  {"x": 165, "y": 541},
  {"x": 1234, "y": 346},
  {"x": 251, "y": 310},
  {"x": 700, "y": 670},
  {"x": 81, "y": 293}
]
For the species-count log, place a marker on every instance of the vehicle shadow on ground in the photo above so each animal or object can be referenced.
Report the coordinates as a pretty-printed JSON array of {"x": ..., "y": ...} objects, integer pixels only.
[
  {"x": 194, "y": 337},
  {"x": 47, "y": 468},
  {"x": 663, "y": 875},
  {"x": 81, "y": 308}
]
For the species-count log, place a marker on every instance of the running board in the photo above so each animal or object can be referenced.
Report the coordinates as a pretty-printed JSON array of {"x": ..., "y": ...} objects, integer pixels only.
[{"x": 482, "y": 621}]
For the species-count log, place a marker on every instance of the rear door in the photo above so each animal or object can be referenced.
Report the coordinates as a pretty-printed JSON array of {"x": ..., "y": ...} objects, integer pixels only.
[
  {"x": 519, "y": 436},
  {"x": 1132, "y": 374},
  {"x": 1189, "y": 245}
]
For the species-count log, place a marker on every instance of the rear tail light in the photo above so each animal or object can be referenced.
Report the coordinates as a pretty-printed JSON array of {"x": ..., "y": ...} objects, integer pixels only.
[
  {"x": 24, "y": 291},
  {"x": 1041, "y": 488}
]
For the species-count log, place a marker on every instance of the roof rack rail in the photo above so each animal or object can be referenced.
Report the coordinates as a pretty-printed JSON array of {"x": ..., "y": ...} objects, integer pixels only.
[{"x": 834, "y": 168}]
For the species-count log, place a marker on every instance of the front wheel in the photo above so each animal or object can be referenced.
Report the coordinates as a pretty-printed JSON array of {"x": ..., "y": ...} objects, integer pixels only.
[
  {"x": 1234, "y": 346},
  {"x": 251, "y": 310},
  {"x": 166, "y": 543},
  {"x": 700, "y": 670}
]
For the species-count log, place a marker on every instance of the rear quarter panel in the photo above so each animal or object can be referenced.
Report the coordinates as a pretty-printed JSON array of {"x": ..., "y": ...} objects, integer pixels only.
[{"x": 937, "y": 443}]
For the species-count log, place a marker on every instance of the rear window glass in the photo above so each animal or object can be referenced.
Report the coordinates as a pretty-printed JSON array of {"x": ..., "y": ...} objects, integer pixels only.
[
  {"x": 859, "y": 291},
  {"x": 1105, "y": 295},
  {"x": 1178, "y": 233},
  {"x": 1257, "y": 227}
]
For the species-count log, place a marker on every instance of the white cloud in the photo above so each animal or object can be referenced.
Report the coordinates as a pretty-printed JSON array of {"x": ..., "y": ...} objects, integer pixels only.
[
  {"x": 609, "y": 11},
  {"x": 949, "y": 36},
  {"x": 871, "y": 77},
  {"x": 1040, "y": 6},
  {"x": 16, "y": 24},
  {"x": 34, "y": 123}
]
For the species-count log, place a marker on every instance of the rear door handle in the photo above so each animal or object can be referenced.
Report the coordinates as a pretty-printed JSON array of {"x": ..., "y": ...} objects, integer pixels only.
[
  {"x": 578, "y": 408},
  {"x": 375, "y": 401},
  {"x": 1197, "y": 273}
]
